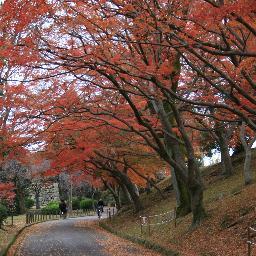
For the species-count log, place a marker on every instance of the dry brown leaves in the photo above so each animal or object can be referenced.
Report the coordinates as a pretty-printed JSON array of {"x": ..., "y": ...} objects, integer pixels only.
[
  {"x": 224, "y": 232},
  {"x": 35, "y": 229},
  {"x": 116, "y": 246}
]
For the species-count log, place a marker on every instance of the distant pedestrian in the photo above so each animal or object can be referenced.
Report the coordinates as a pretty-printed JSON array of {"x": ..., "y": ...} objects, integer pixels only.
[
  {"x": 63, "y": 209},
  {"x": 100, "y": 207}
]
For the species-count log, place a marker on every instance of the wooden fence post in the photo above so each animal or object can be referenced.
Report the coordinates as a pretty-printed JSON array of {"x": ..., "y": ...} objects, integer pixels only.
[{"x": 109, "y": 213}]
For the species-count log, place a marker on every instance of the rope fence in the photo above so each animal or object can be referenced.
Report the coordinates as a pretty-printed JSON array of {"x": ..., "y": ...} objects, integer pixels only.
[{"x": 146, "y": 222}]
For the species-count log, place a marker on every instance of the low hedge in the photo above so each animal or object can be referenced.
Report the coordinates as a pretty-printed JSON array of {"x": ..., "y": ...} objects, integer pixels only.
[
  {"x": 87, "y": 204},
  {"x": 51, "y": 208},
  {"x": 29, "y": 203},
  {"x": 76, "y": 203}
]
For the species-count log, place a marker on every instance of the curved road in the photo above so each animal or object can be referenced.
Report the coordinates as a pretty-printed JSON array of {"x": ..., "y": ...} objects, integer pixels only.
[{"x": 74, "y": 237}]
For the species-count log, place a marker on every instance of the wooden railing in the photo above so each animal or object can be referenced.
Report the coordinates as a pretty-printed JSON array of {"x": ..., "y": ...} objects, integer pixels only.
[
  {"x": 39, "y": 216},
  {"x": 34, "y": 216}
]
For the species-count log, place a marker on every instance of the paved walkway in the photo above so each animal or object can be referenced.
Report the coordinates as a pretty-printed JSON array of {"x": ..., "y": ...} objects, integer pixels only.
[{"x": 74, "y": 237}]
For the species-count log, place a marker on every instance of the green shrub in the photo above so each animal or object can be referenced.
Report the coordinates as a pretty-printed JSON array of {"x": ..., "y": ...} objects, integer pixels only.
[
  {"x": 87, "y": 203},
  {"x": 51, "y": 208},
  {"x": 29, "y": 203},
  {"x": 75, "y": 203},
  {"x": 3, "y": 214}
]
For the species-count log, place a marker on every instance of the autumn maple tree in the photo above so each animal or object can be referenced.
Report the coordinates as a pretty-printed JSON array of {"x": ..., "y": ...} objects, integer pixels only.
[{"x": 101, "y": 77}]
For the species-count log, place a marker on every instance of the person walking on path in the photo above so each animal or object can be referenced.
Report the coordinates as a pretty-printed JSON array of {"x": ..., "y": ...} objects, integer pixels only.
[{"x": 63, "y": 209}]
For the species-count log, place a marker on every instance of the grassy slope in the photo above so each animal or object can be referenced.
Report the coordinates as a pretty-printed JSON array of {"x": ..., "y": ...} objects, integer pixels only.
[{"x": 230, "y": 207}]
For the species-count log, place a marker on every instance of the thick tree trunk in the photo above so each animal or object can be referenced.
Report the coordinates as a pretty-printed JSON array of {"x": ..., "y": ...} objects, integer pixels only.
[
  {"x": 194, "y": 181},
  {"x": 174, "y": 150},
  {"x": 196, "y": 191},
  {"x": 63, "y": 186},
  {"x": 184, "y": 203},
  {"x": 196, "y": 194},
  {"x": 224, "y": 149},
  {"x": 21, "y": 201}
]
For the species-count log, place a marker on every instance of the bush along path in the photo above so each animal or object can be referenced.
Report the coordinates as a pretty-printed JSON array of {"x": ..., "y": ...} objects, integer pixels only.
[{"x": 73, "y": 237}]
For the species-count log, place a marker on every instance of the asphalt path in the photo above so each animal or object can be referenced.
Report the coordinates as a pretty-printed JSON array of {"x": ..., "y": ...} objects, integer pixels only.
[
  {"x": 74, "y": 237},
  {"x": 63, "y": 238}
]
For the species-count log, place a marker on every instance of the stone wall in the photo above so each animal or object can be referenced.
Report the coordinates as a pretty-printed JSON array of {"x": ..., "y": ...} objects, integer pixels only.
[{"x": 50, "y": 192}]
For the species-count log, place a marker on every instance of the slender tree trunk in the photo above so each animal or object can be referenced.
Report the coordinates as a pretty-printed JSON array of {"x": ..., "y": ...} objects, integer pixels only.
[
  {"x": 136, "y": 189},
  {"x": 117, "y": 200},
  {"x": 248, "y": 177},
  {"x": 125, "y": 192},
  {"x": 114, "y": 194},
  {"x": 37, "y": 196}
]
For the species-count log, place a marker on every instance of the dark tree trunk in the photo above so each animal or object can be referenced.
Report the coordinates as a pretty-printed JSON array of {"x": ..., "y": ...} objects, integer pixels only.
[
  {"x": 37, "y": 198},
  {"x": 114, "y": 193},
  {"x": 184, "y": 203},
  {"x": 21, "y": 200},
  {"x": 125, "y": 180},
  {"x": 125, "y": 193},
  {"x": 196, "y": 191},
  {"x": 117, "y": 200},
  {"x": 196, "y": 194},
  {"x": 226, "y": 161},
  {"x": 248, "y": 176},
  {"x": 174, "y": 151},
  {"x": 194, "y": 181}
]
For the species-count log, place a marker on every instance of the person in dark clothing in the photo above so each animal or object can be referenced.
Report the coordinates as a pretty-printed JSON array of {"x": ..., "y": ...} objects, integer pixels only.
[
  {"x": 100, "y": 208},
  {"x": 100, "y": 204},
  {"x": 63, "y": 209}
]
